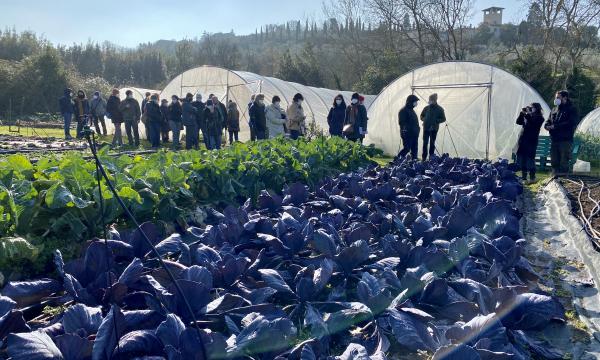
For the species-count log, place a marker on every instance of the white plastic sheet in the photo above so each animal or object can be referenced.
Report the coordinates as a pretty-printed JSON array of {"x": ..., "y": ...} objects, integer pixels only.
[{"x": 590, "y": 125}]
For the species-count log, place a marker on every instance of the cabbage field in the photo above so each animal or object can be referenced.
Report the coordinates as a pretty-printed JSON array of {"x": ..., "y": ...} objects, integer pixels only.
[{"x": 339, "y": 259}]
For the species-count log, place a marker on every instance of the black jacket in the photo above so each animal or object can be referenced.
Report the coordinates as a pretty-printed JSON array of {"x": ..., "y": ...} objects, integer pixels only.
[
  {"x": 153, "y": 112},
  {"x": 407, "y": 118},
  {"x": 336, "y": 118},
  {"x": 175, "y": 112},
  {"x": 112, "y": 109},
  {"x": 200, "y": 106},
  {"x": 189, "y": 114},
  {"x": 562, "y": 122},
  {"x": 258, "y": 117},
  {"x": 357, "y": 116},
  {"x": 528, "y": 139},
  {"x": 66, "y": 103}
]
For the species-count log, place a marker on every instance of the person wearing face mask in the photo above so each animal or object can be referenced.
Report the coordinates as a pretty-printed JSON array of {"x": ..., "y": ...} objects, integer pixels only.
[
  {"x": 355, "y": 123},
  {"x": 189, "y": 118},
  {"x": 98, "y": 112},
  {"x": 199, "y": 105},
  {"x": 337, "y": 116},
  {"x": 531, "y": 119},
  {"x": 431, "y": 116},
  {"x": 113, "y": 112},
  {"x": 175, "y": 113},
  {"x": 81, "y": 109},
  {"x": 258, "y": 117},
  {"x": 275, "y": 118},
  {"x": 164, "y": 124},
  {"x": 296, "y": 118},
  {"x": 153, "y": 120},
  {"x": 214, "y": 125},
  {"x": 130, "y": 108},
  {"x": 233, "y": 122},
  {"x": 561, "y": 124},
  {"x": 409, "y": 127},
  {"x": 65, "y": 104}
]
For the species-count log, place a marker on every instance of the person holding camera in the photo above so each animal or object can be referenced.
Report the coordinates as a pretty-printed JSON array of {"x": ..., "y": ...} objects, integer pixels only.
[
  {"x": 531, "y": 119},
  {"x": 561, "y": 125}
]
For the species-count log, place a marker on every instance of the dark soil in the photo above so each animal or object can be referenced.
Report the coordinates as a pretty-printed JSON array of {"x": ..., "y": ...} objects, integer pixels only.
[
  {"x": 587, "y": 202},
  {"x": 19, "y": 143}
]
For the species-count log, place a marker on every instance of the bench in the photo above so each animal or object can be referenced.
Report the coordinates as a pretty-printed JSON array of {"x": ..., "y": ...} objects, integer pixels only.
[{"x": 542, "y": 154}]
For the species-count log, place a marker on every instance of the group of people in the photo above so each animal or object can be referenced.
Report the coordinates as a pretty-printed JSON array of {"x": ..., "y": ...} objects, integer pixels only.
[
  {"x": 561, "y": 125},
  {"x": 209, "y": 118}
]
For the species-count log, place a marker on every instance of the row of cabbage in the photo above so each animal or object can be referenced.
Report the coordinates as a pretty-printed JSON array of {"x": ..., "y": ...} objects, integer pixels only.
[{"x": 408, "y": 260}]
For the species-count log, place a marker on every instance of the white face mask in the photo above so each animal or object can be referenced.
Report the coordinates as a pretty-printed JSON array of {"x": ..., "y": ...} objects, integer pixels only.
[
  {"x": 95, "y": 96},
  {"x": 261, "y": 102},
  {"x": 338, "y": 101},
  {"x": 557, "y": 101},
  {"x": 299, "y": 102},
  {"x": 415, "y": 104},
  {"x": 276, "y": 103},
  {"x": 198, "y": 99},
  {"x": 173, "y": 101},
  {"x": 430, "y": 102},
  {"x": 130, "y": 96},
  {"x": 355, "y": 101}
]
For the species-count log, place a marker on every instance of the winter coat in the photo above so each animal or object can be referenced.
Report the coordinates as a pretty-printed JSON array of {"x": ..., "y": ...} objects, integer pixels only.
[
  {"x": 189, "y": 114},
  {"x": 407, "y": 118},
  {"x": 164, "y": 112},
  {"x": 563, "y": 120},
  {"x": 432, "y": 116},
  {"x": 528, "y": 139},
  {"x": 214, "y": 121},
  {"x": 130, "y": 108},
  {"x": 112, "y": 109},
  {"x": 258, "y": 117},
  {"x": 275, "y": 120},
  {"x": 233, "y": 118},
  {"x": 175, "y": 112},
  {"x": 144, "y": 103},
  {"x": 98, "y": 107},
  {"x": 223, "y": 110},
  {"x": 200, "y": 106},
  {"x": 295, "y": 117},
  {"x": 356, "y": 115},
  {"x": 153, "y": 113},
  {"x": 336, "y": 119},
  {"x": 81, "y": 111},
  {"x": 65, "y": 103}
]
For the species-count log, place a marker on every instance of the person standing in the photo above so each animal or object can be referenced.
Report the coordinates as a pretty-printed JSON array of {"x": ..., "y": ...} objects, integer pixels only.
[
  {"x": 153, "y": 120},
  {"x": 276, "y": 118},
  {"x": 175, "y": 113},
  {"x": 409, "y": 127},
  {"x": 561, "y": 124},
  {"x": 113, "y": 112},
  {"x": 81, "y": 109},
  {"x": 189, "y": 118},
  {"x": 258, "y": 117},
  {"x": 223, "y": 112},
  {"x": 65, "y": 104},
  {"x": 130, "y": 108},
  {"x": 531, "y": 119},
  {"x": 296, "y": 118},
  {"x": 145, "y": 101},
  {"x": 250, "y": 124},
  {"x": 164, "y": 124},
  {"x": 214, "y": 124},
  {"x": 337, "y": 116},
  {"x": 356, "y": 116},
  {"x": 199, "y": 105},
  {"x": 233, "y": 122},
  {"x": 98, "y": 111},
  {"x": 431, "y": 116}
]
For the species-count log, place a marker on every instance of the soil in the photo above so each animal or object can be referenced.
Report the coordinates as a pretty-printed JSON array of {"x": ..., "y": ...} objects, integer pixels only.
[
  {"x": 19, "y": 143},
  {"x": 588, "y": 203}
]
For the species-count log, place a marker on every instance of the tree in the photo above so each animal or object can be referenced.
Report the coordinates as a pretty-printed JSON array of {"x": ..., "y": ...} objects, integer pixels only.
[
  {"x": 533, "y": 68},
  {"x": 582, "y": 90},
  {"x": 184, "y": 55}
]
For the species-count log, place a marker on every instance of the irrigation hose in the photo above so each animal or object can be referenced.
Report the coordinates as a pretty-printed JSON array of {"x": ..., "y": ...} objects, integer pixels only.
[
  {"x": 87, "y": 132},
  {"x": 587, "y": 222}
]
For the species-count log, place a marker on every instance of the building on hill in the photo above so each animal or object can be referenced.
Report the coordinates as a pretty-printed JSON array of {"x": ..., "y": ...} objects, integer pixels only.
[{"x": 492, "y": 18}]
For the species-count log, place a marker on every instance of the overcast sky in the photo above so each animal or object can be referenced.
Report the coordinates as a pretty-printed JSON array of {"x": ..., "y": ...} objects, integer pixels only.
[{"x": 130, "y": 22}]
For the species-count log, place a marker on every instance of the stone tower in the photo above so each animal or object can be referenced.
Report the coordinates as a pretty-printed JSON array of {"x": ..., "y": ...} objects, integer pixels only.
[{"x": 492, "y": 16}]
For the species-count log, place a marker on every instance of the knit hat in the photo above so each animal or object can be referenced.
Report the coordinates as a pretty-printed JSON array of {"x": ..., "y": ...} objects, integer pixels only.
[{"x": 355, "y": 96}]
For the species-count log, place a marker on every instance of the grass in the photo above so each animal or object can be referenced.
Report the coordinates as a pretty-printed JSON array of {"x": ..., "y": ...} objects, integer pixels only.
[
  {"x": 382, "y": 160},
  {"x": 30, "y": 132}
]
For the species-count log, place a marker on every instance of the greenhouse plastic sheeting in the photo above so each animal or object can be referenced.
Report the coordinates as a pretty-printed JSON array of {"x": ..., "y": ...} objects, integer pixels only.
[
  {"x": 239, "y": 86},
  {"x": 481, "y": 103},
  {"x": 139, "y": 95},
  {"x": 590, "y": 125}
]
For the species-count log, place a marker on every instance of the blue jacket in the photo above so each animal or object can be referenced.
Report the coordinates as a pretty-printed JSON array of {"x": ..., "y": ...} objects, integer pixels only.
[
  {"x": 153, "y": 112},
  {"x": 189, "y": 114},
  {"x": 65, "y": 103},
  {"x": 335, "y": 119},
  {"x": 175, "y": 112}
]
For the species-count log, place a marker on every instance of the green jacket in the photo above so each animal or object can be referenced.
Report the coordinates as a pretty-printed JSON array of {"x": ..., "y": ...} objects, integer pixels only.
[{"x": 432, "y": 116}]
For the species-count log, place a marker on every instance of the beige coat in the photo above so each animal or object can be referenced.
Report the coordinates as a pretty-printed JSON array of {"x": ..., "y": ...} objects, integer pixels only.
[{"x": 295, "y": 117}]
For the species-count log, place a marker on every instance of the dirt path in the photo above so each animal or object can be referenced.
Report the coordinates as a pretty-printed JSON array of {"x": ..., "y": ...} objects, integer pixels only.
[{"x": 561, "y": 253}]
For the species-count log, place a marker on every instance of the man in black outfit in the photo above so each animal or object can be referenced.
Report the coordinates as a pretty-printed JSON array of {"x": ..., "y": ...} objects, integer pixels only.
[
  {"x": 561, "y": 125},
  {"x": 409, "y": 127}
]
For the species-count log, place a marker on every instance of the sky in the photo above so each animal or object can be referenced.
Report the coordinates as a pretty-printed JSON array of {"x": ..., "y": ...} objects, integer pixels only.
[{"x": 130, "y": 22}]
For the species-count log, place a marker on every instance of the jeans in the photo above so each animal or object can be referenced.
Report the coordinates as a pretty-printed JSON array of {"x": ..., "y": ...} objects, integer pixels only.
[
  {"x": 135, "y": 139},
  {"x": 560, "y": 155},
  {"x": 429, "y": 136},
  {"x": 252, "y": 132},
  {"x": 154, "y": 133},
  {"x": 233, "y": 135},
  {"x": 191, "y": 137},
  {"x": 295, "y": 134},
  {"x": 81, "y": 123},
  {"x": 261, "y": 134},
  {"x": 410, "y": 144},
  {"x": 175, "y": 128},
  {"x": 67, "y": 117},
  {"x": 99, "y": 119},
  {"x": 214, "y": 142},
  {"x": 118, "y": 138},
  {"x": 526, "y": 164}
]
